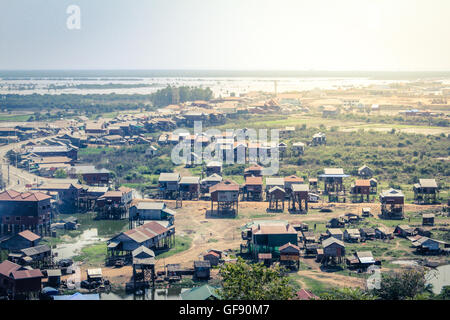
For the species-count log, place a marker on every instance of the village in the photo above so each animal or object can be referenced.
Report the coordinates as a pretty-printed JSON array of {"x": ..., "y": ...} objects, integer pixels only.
[{"x": 329, "y": 226}]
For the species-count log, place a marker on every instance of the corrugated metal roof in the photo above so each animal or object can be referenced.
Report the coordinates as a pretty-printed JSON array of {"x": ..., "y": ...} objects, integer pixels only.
[
  {"x": 253, "y": 180},
  {"x": 329, "y": 241},
  {"x": 150, "y": 205},
  {"x": 200, "y": 293},
  {"x": 30, "y": 236},
  {"x": 333, "y": 171},
  {"x": 392, "y": 193},
  {"x": 275, "y": 182},
  {"x": 169, "y": 177},
  {"x": 27, "y": 274},
  {"x": 428, "y": 183},
  {"x": 6, "y": 267},
  {"x": 189, "y": 180},
  {"x": 36, "y": 250},
  {"x": 300, "y": 188}
]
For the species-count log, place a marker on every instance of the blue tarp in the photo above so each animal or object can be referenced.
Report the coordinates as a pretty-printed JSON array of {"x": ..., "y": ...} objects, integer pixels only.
[
  {"x": 78, "y": 296},
  {"x": 50, "y": 291}
]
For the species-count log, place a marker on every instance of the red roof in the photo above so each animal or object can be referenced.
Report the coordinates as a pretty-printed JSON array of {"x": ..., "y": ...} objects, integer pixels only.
[
  {"x": 289, "y": 245},
  {"x": 7, "y": 267},
  {"x": 362, "y": 183},
  {"x": 306, "y": 295},
  {"x": 146, "y": 231},
  {"x": 293, "y": 179},
  {"x": 12, "y": 195},
  {"x": 226, "y": 185},
  {"x": 253, "y": 168},
  {"x": 213, "y": 253},
  {"x": 27, "y": 274},
  {"x": 30, "y": 236},
  {"x": 253, "y": 180}
]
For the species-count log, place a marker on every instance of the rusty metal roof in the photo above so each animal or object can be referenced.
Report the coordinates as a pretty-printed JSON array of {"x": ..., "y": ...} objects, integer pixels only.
[
  {"x": 253, "y": 180},
  {"x": 30, "y": 236},
  {"x": 226, "y": 185},
  {"x": 27, "y": 274},
  {"x": 6, "y": 267}
]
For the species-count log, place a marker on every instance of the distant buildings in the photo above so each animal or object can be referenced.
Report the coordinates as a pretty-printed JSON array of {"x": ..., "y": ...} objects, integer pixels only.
[
  {"x": 55, "y": 151},
  {"x": 90, "y": 175}
]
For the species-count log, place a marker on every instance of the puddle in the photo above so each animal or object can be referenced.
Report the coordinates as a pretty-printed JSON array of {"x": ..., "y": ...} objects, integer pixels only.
[{"x": 406, "y": 262}]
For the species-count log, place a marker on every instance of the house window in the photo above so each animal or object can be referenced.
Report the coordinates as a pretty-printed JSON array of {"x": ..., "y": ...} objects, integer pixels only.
[
  {"x": 7, "y": 218},
  {"x": 17, "y": 218}
]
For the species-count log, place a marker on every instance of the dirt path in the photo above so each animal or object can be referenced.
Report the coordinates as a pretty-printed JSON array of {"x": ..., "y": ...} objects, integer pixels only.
[
  {"x": 224, "y": 233},
  {"x": 333, "y": 279}
]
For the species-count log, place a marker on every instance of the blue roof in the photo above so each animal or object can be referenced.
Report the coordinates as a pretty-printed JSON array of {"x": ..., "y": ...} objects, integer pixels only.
[
  {"x": 50, "y": 291},
  {"x": 78, "y": 296}
]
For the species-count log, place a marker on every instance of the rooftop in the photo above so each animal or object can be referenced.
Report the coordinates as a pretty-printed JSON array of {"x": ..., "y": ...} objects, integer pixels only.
[{"x": 12, "y": 195}]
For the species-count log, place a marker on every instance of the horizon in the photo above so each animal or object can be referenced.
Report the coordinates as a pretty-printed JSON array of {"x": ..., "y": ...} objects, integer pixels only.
[{"x": 405, "y": 35}]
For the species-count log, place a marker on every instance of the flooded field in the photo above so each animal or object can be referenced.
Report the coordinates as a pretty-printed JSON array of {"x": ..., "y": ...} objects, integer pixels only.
[{"x": 70, "y": 249}]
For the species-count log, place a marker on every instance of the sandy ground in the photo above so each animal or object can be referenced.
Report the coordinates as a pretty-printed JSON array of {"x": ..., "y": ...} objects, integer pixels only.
[{"x": 223, "y": 234}]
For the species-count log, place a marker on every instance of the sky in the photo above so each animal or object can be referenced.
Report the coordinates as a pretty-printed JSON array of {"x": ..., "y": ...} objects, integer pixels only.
[{"x": 376, "y": 35}]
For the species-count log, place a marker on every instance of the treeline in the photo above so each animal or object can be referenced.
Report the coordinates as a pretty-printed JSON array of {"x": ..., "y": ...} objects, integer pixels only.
[
  {"x": 171, "y": 95},
  {"x": 103, "y": 103}
]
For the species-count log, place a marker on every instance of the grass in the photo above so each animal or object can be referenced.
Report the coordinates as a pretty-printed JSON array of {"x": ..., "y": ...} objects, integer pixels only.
[
  {"x": 92, "y": 255},
  {"x": 316, "y": 286},
  {"x": 91, "y": 151},
  {"x": 17, "y": 117},
  {"x": 182, "y": 243}
]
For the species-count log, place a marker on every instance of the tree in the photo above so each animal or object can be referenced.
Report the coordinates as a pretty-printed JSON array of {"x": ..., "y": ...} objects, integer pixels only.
[
  {"x": 407, "y": 284},
  {"x": 243, "y": 281},
  {"x": 348, "y": 294},
  {"x": 445, "y": 293},
  {"x": 60, "y": 174}
]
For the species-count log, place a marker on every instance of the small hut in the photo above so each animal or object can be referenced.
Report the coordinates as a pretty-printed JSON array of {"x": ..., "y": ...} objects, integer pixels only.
[
  {"x": 299, "y": 198},
  {"x": 276, "y": 197}
]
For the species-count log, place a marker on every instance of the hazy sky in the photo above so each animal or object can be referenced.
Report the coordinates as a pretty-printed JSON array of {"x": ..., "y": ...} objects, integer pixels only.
[{"x": 227, "y": 34}]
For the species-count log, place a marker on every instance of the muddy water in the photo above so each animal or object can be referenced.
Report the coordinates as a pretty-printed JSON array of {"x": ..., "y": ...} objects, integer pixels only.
[
  {"x": 439, "y": 278},
  {"x": 157, "y": 294},
  {"x": 73, "y": 248}
]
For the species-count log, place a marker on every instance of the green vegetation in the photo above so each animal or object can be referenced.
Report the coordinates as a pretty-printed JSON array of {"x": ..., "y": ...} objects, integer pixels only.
[
  {"x": 60, "y": 174},
  {"x": 92, "y": 255},
  {"x": 182, "y": 243},
  {"x": 243, "y": 281},
  {"x": 14, "y": 117},
  {"x": 91, "y": 104},
  {"x": 347, "y": 294},
  {"x": 128, "y": 165},
  {"x": 408, "y": 284}
]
